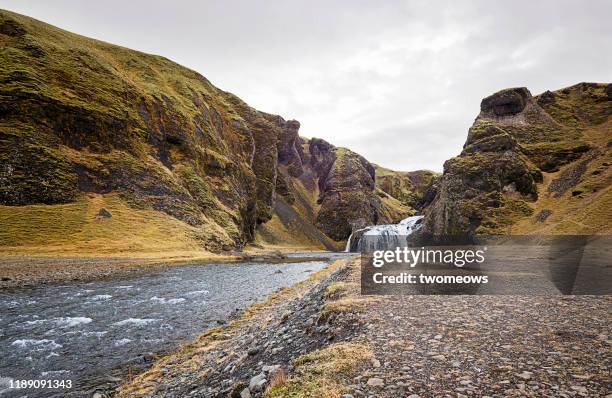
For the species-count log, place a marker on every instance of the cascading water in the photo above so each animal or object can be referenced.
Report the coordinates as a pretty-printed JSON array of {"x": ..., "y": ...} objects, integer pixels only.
[{"x": 385, "y": 236}]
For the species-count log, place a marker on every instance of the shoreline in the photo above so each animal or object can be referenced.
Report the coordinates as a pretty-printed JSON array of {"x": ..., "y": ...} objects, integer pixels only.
[
  {"x": 288, "y": 324},
  {"x": 28, "y": 270}
]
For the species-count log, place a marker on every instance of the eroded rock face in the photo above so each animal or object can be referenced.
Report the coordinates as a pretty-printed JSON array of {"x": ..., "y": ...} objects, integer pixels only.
[
  {"x": 346, "y": 189},
  {"x": 515, "y": 138},
  {"x": 72, "y": 124},
  {"x": 289, "y": 144}
]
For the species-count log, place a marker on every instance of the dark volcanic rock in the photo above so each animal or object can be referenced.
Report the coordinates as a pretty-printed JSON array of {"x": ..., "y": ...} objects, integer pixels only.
[
  {"x": 289, "y": 144},
  {"x": 546, "y": 97},
  {"x": 346, "y": 189},
  {"x": 506, "y": 102},
  {"x": 543, "y": 215},
  {"x": 104, "y": 213}
]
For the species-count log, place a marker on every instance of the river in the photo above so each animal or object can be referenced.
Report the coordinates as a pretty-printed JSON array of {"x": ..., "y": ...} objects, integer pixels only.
[{"x": 91, "y": 333}]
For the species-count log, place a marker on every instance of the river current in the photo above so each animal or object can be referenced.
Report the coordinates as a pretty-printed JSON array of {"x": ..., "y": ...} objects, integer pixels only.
[{"x": 85, "y": 332}]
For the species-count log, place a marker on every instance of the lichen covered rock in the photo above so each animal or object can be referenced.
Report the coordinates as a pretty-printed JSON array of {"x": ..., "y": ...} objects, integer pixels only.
[
  {"x": 516, "y": 138},
  {"x": 346, "y": 189}
]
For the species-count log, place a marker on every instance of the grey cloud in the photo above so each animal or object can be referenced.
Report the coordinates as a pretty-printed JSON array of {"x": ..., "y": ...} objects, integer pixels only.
[{"x": 397, "y": 81}]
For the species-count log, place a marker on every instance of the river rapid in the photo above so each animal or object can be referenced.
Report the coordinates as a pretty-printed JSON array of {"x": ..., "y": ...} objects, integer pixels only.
[{"x": 90, "y": 333}]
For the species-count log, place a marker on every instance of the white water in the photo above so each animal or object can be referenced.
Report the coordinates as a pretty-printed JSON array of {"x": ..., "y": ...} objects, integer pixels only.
[{"x": 387, "y": 235}]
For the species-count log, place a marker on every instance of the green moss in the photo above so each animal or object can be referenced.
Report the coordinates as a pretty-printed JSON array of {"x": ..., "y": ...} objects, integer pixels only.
[
  {"x": 32, "y": 173},
  {"x": 84, "y": 115},
  {"x": 584, "y": 103}
]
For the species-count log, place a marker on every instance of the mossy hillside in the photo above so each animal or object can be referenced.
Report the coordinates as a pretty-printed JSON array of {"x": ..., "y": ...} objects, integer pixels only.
[
  {"x": 557, "y": 139},
  {"x": 578, "y": 105},
  {"x": 81, "y": 115},
  {"x": 391, "y": 209},
  {"x": 580, "y": 204}
]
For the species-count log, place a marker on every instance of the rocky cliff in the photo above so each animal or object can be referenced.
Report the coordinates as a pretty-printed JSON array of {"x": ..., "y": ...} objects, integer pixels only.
[
  {"x": 415, "y": 189},
  {"x": 530, "y": 164},
  {"x": 89, "y": 127}
]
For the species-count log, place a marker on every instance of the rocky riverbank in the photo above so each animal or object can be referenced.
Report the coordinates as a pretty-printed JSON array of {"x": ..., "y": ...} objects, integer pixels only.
[
  {"x": 255, "y": 350},
  {"x": 17, "y": 271},
  {"x": 322, "y": 338}
]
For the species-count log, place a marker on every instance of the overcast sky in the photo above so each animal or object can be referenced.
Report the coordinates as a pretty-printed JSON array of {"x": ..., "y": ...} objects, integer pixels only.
[{"x": 399, "y": 82}]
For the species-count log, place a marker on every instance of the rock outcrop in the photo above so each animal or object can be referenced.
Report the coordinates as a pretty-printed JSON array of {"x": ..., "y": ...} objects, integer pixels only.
[
  {"x": 414, "y": 189},
  {"x": 516, "y": 138},
  {"x": 346, "y": 189}
]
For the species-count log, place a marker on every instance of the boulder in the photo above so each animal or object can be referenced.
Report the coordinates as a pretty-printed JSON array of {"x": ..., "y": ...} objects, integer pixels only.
[
  {"x": 506, "y": 102},
  {"x": 104, "y": 213}
]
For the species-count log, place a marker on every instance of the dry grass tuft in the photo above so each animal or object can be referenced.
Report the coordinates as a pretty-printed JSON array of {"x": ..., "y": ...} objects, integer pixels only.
[
  {"x": 278, "y": 378},
  {"x": 323, "y": 373}
]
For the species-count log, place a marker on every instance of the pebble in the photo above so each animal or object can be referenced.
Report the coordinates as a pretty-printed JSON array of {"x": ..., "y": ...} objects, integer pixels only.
[
  {"x": 256, "y": 382},
  {"x": 375, "y": 382},
  {"x": 253, "y": 351}
]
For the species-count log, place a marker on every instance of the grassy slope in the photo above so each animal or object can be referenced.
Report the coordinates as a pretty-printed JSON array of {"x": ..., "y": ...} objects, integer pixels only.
[
  {"x": 76, "y": 228},
  {"x": 153, "y": 142},
  {"x": 585, "y": 208},
  {"x": 152, "y": 98},
  {"x": 408, "y": 187}
]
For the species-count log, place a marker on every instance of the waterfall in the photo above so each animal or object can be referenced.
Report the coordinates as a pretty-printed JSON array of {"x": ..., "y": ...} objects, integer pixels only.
[
  {"x": 348, "y": 244},
  {"x": 385, "y": 236}
]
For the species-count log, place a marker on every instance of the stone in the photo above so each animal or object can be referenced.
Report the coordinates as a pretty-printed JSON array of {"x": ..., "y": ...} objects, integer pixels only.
[
  {"x": 270, "y": 368},
  {"x": 253, "y": 351},
  {"x": 580, "y": 389},
  {"x": 543, "y": 215},
  {"x": 525, "y": 375},
  {"x": 375, "y": 382},
  {"x": 104, "y": 213},
  {"x": 257, "y": 381},
  {"x": 506, "y": 102},
  {"x": 246, "y": 393},
  {"x": 547, "y": 97}
]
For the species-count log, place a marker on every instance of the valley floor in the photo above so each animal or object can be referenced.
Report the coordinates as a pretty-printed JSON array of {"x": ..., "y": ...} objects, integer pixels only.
[{"x": 321, "y": 338}]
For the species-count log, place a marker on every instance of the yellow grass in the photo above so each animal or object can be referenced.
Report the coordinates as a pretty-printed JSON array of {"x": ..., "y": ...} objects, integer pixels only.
[
  {"x": 322, "y": 373},
  {"x": 76, "y": 229}
]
